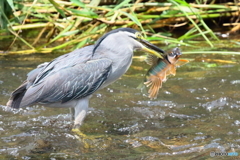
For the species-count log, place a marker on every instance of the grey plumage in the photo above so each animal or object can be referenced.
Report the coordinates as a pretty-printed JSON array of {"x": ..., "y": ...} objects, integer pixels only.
[{"x": 71, "y": 79}]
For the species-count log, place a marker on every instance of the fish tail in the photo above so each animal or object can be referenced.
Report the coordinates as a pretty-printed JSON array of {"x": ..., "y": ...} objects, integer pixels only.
[{"x": 155, "y": 84}]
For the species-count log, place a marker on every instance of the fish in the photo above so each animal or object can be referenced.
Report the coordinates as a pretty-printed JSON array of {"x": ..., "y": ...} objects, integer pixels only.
[{"x": 160, "y": 69}]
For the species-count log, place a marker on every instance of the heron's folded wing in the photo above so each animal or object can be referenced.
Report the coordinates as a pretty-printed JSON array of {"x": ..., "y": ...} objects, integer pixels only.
[{"x": 69, "y": 83}]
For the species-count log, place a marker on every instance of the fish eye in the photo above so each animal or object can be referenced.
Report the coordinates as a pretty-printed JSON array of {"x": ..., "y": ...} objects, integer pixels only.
[{"x": 172, "y": 54}]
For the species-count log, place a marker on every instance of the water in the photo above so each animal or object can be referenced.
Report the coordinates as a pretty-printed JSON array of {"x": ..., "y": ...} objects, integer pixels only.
[{"x": 196, "y": 112}]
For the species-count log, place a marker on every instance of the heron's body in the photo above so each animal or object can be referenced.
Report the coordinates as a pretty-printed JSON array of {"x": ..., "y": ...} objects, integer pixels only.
[{"x": 71, "y": 79}]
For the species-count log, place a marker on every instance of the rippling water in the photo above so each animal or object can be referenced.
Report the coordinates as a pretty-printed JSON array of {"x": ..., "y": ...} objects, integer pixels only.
[{"x": 196, "y": 112}]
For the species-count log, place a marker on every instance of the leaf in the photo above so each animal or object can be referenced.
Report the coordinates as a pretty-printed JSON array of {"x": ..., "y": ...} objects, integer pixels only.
[
  {"x": 62, "y": 33},
  {"x": 78, "y": 3},
  {"x": 121, "y": 4},
  {"x": 69, "y": 33},
  {"x": 133, "y": 18},
  {"x": 185, "y": 9},
  {"x": 84, "y": 13},
  {"x": 118, "y": 7},
  {"x": 57, "y": 7},
  {"x": 82, "y": 43},
  {"x": 10, "y": 2}
]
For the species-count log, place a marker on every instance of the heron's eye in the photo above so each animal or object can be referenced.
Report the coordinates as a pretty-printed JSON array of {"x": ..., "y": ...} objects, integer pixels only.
[{"x": 138, "y": 35}]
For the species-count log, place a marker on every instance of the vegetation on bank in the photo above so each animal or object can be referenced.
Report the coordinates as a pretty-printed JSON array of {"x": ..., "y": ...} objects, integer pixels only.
[{"x": 45, "y": 26}]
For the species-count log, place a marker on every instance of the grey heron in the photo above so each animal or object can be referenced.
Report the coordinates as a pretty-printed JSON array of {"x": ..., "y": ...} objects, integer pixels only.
[{"x": 71, "y": 79}]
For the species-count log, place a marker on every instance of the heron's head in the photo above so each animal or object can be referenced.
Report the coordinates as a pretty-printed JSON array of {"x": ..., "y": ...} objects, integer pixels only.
[{"x": 122, "y": 38}]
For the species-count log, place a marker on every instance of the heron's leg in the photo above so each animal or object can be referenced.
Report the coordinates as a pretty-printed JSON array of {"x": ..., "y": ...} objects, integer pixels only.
[
  {"x": 72, "y": 113},
  {"x": 80, "y": 112}
]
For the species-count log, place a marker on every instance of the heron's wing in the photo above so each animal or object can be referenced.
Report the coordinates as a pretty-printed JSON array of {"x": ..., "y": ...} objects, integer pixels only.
[
  {"x": 31, "y": 76},
  {"x": 69, "y": 83},
  {"x": 17, "y": 95},
  {"x": 73, "y": 58}
]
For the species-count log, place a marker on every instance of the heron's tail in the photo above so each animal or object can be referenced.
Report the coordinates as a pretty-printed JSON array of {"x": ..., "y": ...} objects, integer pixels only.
[{"x": 17, "y": 95}]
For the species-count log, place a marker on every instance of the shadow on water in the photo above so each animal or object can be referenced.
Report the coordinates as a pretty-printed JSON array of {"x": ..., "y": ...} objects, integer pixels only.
[{"x": 196, "y": 112}]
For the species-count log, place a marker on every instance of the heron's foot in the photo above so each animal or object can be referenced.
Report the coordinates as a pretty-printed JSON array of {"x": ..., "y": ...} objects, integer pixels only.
[
  {"x": 79, "y": 133},
  {"x": 90, "y": 142},
  {"x": 82, "y": 137}
]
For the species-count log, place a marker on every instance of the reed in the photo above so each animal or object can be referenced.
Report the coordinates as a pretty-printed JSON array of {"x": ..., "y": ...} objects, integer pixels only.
[{"x": 66, "y": 25}]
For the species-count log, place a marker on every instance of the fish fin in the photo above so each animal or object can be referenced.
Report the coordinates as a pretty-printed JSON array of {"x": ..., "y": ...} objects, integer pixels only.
[
  {"x": 155, "y": 83},
  {"x": 171, "y": 70},
  {"x": 151, "y": 59},
  {"x": 181, "y": 62}
]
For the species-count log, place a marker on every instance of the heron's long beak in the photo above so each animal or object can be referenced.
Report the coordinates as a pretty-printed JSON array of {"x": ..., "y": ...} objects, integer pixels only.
[{"x": 151, "y": 48}]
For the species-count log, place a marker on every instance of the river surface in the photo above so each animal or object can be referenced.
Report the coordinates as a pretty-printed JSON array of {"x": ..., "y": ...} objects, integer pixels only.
[{"x": 195, "y": 113}]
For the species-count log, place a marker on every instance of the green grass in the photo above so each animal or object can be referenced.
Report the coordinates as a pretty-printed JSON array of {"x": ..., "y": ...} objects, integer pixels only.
[{"x": 72, "y": 24}]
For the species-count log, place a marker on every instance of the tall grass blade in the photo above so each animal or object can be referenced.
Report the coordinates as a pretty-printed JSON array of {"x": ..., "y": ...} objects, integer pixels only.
[
  {"x": 123, "y": 3},
  {"x": 58, "y": 7},
  {"x": 78, "y": 3},
  {"x": 178, "y": 3}
]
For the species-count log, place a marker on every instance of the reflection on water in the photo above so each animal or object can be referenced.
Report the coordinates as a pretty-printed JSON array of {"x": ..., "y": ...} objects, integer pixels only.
[{"x": 196, "y": 112}]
